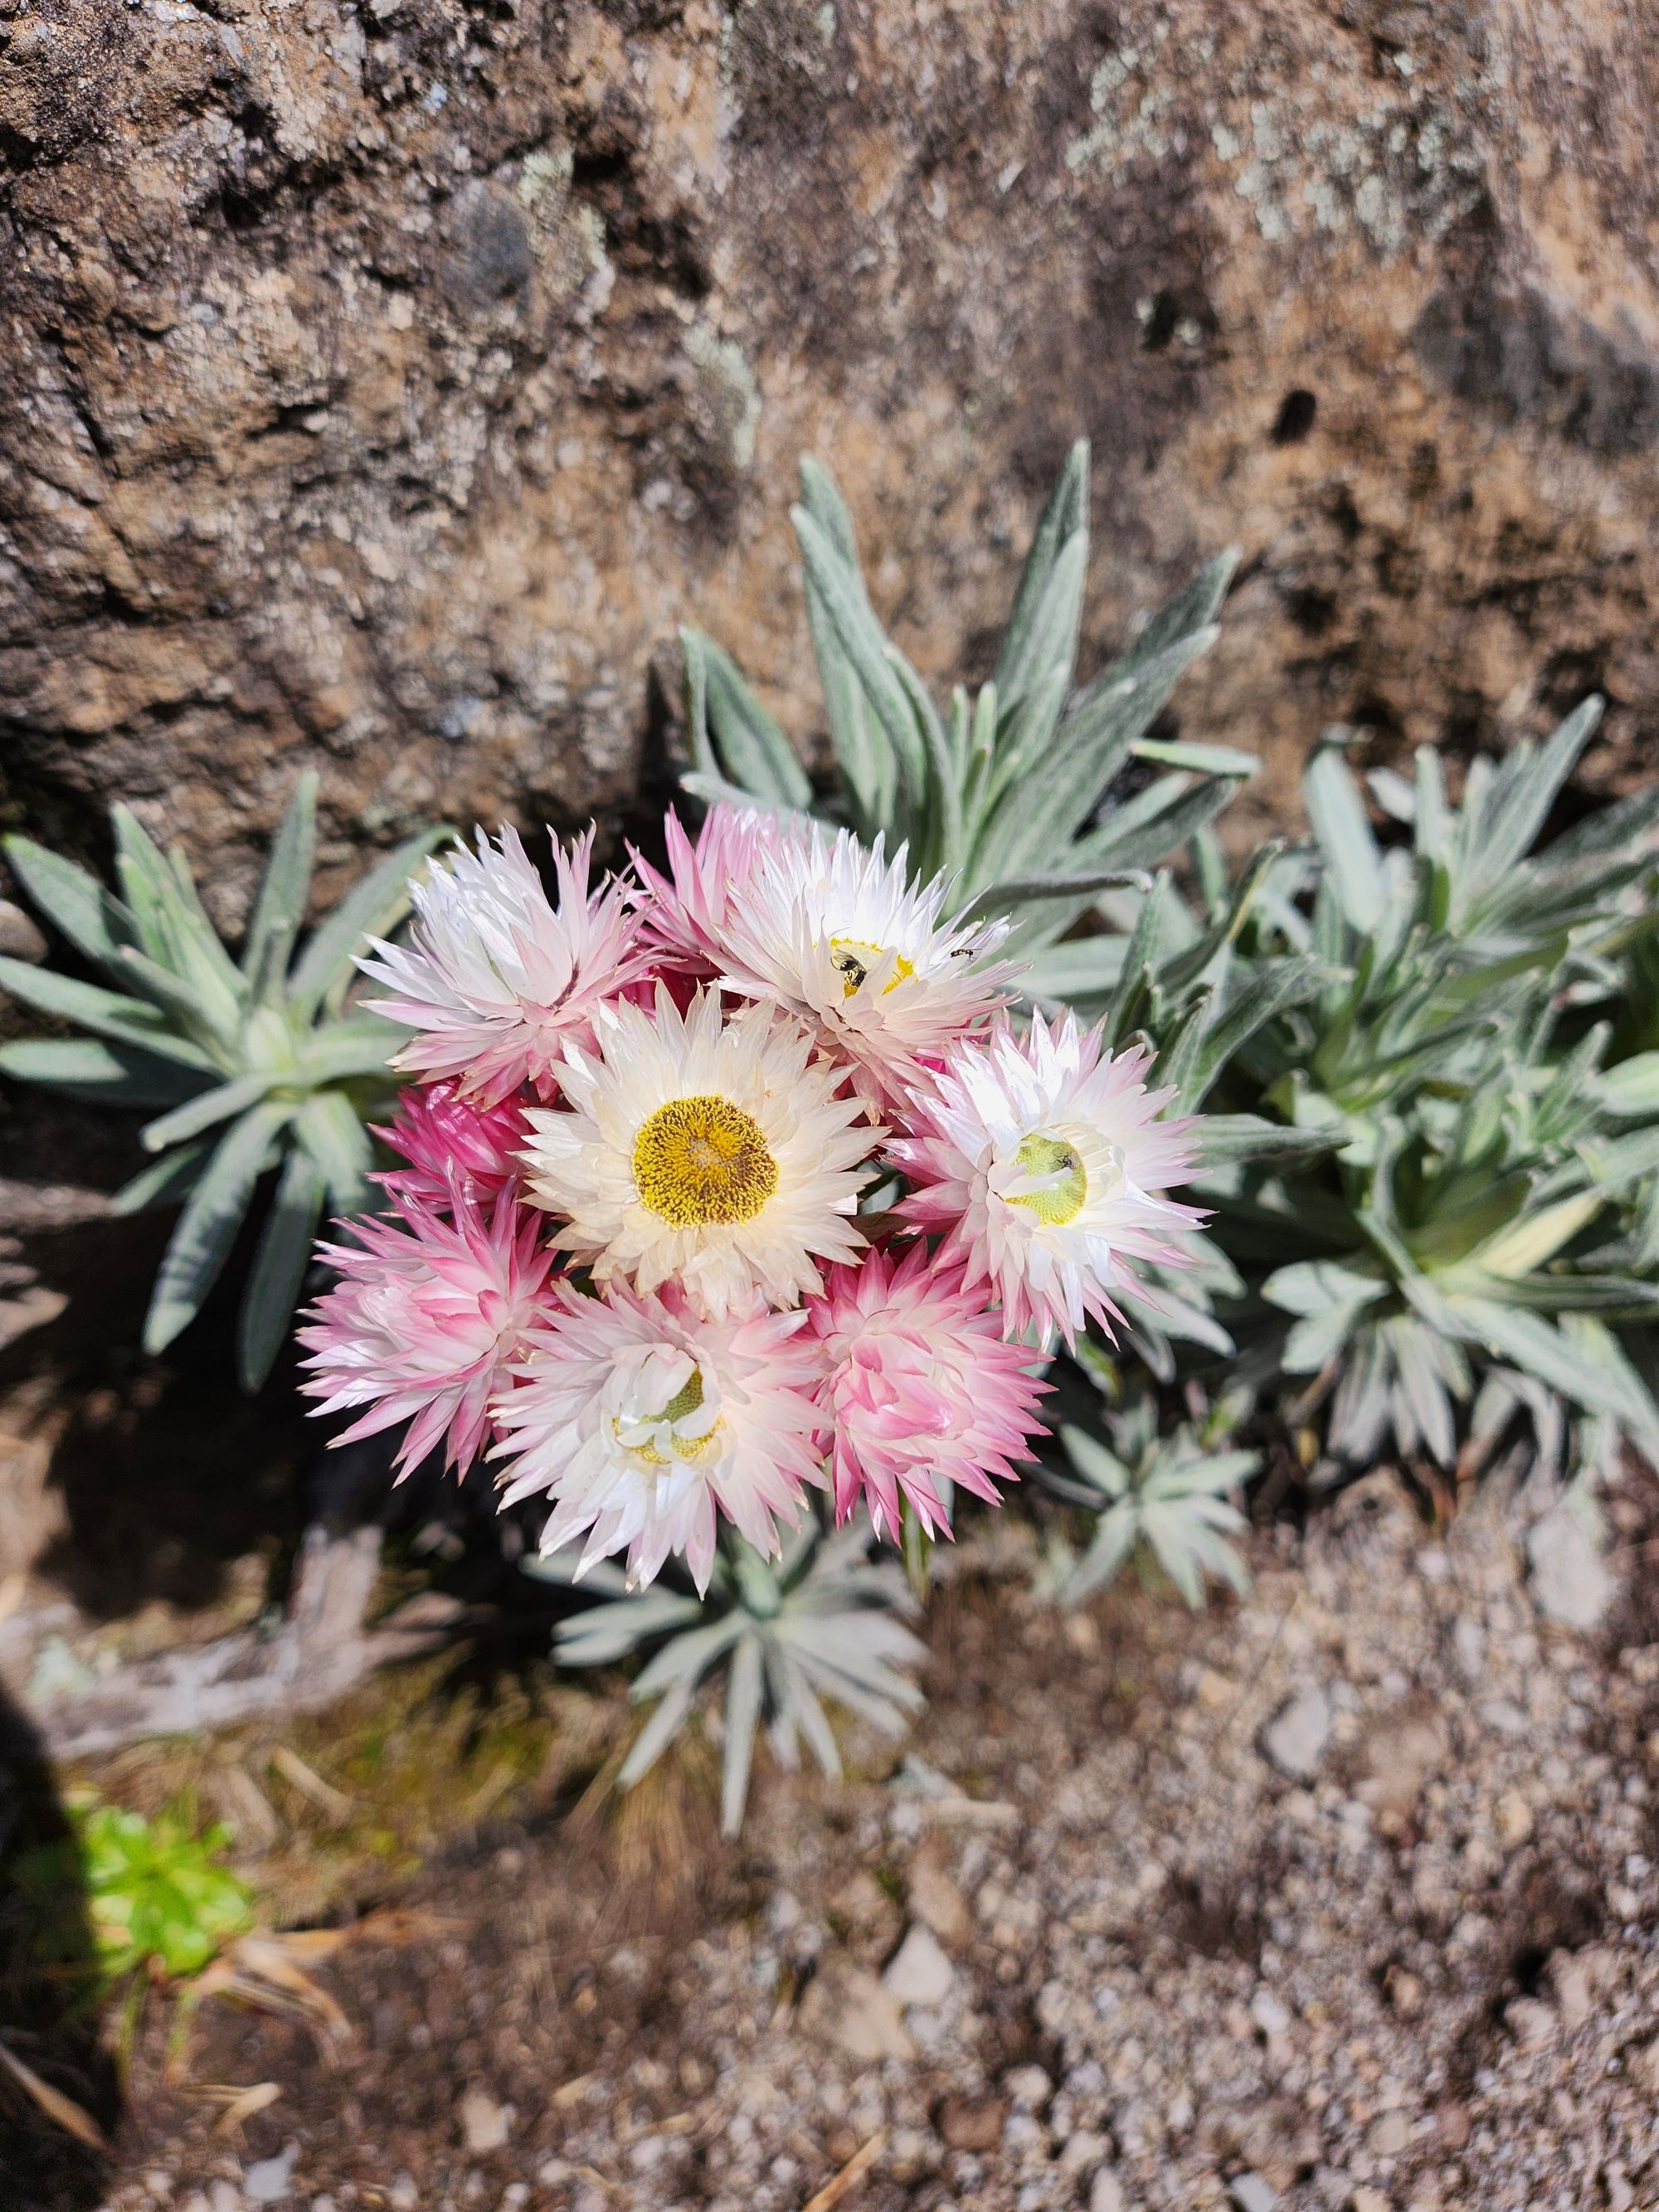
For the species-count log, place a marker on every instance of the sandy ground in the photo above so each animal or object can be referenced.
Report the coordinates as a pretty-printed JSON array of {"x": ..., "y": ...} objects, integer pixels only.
[{"x": 1342, "y": 1895}]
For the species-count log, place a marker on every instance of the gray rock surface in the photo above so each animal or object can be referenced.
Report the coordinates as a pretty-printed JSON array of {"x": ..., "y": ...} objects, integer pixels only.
[{"x": 384, "y": 379}]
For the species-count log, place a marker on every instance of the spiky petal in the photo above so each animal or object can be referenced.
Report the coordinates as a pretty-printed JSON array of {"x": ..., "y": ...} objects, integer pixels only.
[
  {"x": 920, "y": 1389},
  {"x": 1043, "y": 1160},
  {"x": 425, "y": 1320},
  {"x": 712, "y": 1150},
  {"x": 836, "y": 932},
  {"x": 443, "y": 1135},
  {"x": 684, "y": 912},
  {"x": 643, "y": 1421},
  {"x": 496, "y": 981}
]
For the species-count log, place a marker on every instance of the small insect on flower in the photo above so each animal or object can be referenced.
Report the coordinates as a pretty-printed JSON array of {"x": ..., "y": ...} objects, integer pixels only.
[
  {"x": 921, "y": 1388},
  {"x": 496, "y": 980},
  {"x": 685, "y": 911},
  {"x": 712, "y": 1150},
  {"x": 838, "y": 935},
  {"x": 441, "y": 1134},
  {"x": 642, "y": 1420},
  {"x": 425, "y": 1319},
  {"x": 1043, "y": 1160}
]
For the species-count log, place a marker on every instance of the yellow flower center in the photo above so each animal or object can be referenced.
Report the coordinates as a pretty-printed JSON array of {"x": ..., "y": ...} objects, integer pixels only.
[
  {"x": 701, "y": 1160},
  {"x": 1061, "y": 1185},
  {"x": 853, "y": 961}
]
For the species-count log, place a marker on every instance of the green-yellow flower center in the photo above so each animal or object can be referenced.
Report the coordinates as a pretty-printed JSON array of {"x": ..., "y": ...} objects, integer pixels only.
[
  {"x": 688, "y": 1399},
  {"x": 852, "y": 960},
  {"x": 1055, "y": 1166},
  {"x": 702, "y": 1160}
]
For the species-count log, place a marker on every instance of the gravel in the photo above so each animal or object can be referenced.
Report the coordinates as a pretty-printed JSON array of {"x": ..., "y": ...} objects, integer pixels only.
[{"x": 1117, "y": 1937}]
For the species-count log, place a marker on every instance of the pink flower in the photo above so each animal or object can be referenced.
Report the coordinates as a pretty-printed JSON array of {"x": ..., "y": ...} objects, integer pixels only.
[
  {"x": 685, "y": 911},
  {"x": 494, "y": 981},
  {"x": 425, "y": 1320},
  {"x": 921, "y": 1388},
  {"x": 1043, "y": 1160},
  {"x": 442, "y": 1134},
  {"x": 641, "y": 1418}
]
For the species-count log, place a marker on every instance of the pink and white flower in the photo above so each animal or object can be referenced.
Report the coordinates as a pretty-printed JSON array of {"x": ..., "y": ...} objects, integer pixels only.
[
  {"x": 920, "y": 1389},
  {"x": 496, "y": 981},
  {"x": 684, "y": 912},
  {"x": 443, "y": 1135},
  {"x": 427, "y": 1316},
  {"x": 643, "y": 1421},
  {"x": 1043, "y": 1162}
]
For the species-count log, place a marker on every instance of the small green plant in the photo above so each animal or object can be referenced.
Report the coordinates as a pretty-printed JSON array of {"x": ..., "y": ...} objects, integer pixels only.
[
  {"x": 157, "y": 1901},
  {"x": 1002, "y": 792},
  {"x": 1164, "y": 1495},
  {"x": 257, "y": 1063},
  {"x": 823, "y": 1621}
]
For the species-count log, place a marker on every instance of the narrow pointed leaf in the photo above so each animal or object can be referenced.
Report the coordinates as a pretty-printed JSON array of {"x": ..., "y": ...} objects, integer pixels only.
[
  {"x": 207, "y": 1228},
  {"x": 279, "y": 1268}
]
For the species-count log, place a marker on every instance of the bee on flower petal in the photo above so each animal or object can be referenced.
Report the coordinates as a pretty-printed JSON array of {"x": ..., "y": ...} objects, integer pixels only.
[{"x": 836, "y": 932}]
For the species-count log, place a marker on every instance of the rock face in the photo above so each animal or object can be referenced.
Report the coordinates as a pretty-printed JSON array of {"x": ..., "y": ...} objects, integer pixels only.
[{"x": 381, "y": 380}]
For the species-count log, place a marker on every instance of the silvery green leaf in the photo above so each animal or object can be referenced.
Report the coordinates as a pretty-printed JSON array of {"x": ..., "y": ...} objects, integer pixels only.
[
  {"x": 1522, "y": 792},
  {"x": 205, "y": 1110},
  {"x": 279, "y": 1267},
  {"x": 72, "y": 900},
  {"x": 327, "y": 1126},
  {"x": 355, "y": 1044},
  {"x": 164, "y": 1181},
  {"x": 105, "y": 1013},
  {"x": 112, "y": 1075},
  {"x": 659, "y": 1732},
  {"x": 280, "y": 907},
  {"x": 1337, "y": 815},
  {"x": 742, "y": 1712},
  {"x": 374, "y": 906},
  {"x": 753, "y": 750},
  {"x": 207, "y": 1228},
  {"x": 1064, "y": 516},
  {"x": 1193, "y": 608},
  {"x": 1226, "y": 1139},
  {"x": 860, "y": 638},
  {"x": 1200, "y": 760},
  {"x": 1314, "y": 1286}
]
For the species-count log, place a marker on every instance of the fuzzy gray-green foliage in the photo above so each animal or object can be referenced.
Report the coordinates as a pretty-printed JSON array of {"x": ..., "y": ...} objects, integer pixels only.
[
  {"x": 256, "y": 1062},
  {"x": 1484, "y": 1208},
  {"x": 1002, "y": 791},
  {"x": 824, "y": 1622}
]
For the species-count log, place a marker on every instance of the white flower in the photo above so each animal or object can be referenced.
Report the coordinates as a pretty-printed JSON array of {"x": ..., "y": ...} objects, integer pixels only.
[
  {"x": 639, "y": 1417},
  {"x": 496, "y": 980},
  {"x": 834, "y": 931},
  {"x": 1043, "y": 1160},
  {"x": 702, "y": 1149}
]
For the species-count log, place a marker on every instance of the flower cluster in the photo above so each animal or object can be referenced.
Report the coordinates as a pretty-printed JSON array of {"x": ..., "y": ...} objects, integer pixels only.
[{"x": 728, "y": 1182}]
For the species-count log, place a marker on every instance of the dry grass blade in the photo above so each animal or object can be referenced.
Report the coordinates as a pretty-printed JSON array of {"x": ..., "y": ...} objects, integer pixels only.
[
  {"x": 258, "y": 2097},
  {"x": 260, "y": 1970},
  {"x": 323, "y": 1795},
  {"x": 73, "y": 2118},
  {"x": 841, "y": 2187},
  {"x": 389, "y": 1925}
]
